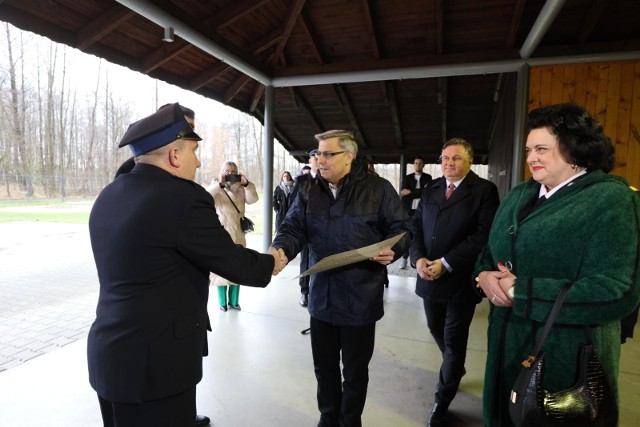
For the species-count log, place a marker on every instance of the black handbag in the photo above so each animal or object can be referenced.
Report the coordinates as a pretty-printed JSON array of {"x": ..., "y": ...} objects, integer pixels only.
[
  {"x": 246, "y": 225},
  {"x": 589, "y": 402}
]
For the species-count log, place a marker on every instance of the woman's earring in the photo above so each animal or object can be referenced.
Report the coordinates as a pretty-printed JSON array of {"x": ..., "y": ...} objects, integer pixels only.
[{"x": 574, "y": 166}]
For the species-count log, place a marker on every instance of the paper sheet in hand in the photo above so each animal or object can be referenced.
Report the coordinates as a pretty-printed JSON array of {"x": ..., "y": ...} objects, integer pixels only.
[{"x": 350, "y": 257}]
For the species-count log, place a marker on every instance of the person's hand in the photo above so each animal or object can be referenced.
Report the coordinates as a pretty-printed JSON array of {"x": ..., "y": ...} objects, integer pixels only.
[
  {"x": 508, "y": 281},
  {"x": 435, "y": 269},
  {"x": 223, "y": 179},
  {"x": 280, "y": 259},
  {"x": 422, "y": 268},
  {"x": 489, "y": 282},
  {"x": 385, "y": 256},
  {"x": 243, "y": 179},
  {"x": 405, "y": 192}
]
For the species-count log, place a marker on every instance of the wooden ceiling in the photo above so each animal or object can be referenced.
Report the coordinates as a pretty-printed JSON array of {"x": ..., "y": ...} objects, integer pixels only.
[{"x": 404, "y": 75}]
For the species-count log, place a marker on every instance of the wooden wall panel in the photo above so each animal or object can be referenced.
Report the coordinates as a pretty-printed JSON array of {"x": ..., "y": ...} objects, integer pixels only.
[{"x": 610, "y": 91}]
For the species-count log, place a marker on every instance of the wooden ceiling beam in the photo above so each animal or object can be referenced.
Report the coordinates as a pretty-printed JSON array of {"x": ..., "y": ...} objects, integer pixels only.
[
  {"x": 230, "y": 14},
  {"x": 308, "y": 110},
  {"x": 345, "y": 101},
  {"x": 305, "y": 25},
  {"x": 395, "y": 116},
  {"x": 439, "y": 27},
  {"x": 514, "y": 26},
  {"x": 164, "y": 54},
  {"x": 593, "y": 16},
  {"x": 391, "y": 101},
  {"x": 290, "y": 23},
  {"x": 213, "y": 72},
  {"x": 103, "y": 25},
  {"x": 405, "y": 62}
]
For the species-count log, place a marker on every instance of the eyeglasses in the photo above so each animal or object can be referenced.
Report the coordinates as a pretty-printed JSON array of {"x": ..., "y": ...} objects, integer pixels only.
[
  {"x": 456, "y": 159},
  {"x": 327, "y": 154}
]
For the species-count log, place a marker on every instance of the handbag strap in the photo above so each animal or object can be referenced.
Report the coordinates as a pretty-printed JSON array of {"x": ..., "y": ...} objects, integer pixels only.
[
  {"x": 234, "y": 205},
  {"x": 551, "y": 318}
]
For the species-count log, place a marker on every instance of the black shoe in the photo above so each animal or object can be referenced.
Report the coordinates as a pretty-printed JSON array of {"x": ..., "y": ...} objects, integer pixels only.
[
  {"x": 202, "y": 420},
  {"x": 235, "y": 307},
  {"x": 304, "y": 300},
  {"x": 223, "y": 307},
  {"x": 438, "y": 416}
]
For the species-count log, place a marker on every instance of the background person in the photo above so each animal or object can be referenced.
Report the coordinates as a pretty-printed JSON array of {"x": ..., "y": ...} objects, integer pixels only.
[
  {"x": 282, "y": 197},
  {"x": 344, "y": 209},
  {"x": 153, "y": 259},
  {"x": 451, "y": 226},
  {"x": 231, "y": 191},
  {"x": 571, "y": 223},
  {"x": 304, "y": 255},
  {"x": 411, "y": 191}
]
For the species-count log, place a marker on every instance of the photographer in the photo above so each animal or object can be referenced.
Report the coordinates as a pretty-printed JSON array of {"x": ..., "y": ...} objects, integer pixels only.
[{"x": 230, "y": 193}]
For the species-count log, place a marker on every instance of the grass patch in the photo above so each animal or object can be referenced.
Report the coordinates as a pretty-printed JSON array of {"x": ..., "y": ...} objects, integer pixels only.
[{"x": 69, "y": 217}]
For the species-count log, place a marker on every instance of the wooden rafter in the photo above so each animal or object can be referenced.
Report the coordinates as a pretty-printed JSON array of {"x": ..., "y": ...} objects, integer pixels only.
[
  {"x": 391, "y": 101},
  {"x": 592, "y": 18},
  {"x": 103, "y": 25},
  {"x": 290, "y": 23}
]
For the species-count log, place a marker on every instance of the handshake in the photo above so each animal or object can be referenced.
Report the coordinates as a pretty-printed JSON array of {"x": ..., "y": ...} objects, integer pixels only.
[{"x": 280, "y": 259}]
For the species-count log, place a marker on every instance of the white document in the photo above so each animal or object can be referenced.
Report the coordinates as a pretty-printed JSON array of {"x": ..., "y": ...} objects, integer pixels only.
[{"x": 350, "y": 257}]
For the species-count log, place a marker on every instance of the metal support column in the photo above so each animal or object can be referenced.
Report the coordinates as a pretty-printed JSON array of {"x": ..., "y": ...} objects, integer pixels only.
[
  {"x": 267, "y": 165},
  {"x": 403, "y": 170},
  {"x": 519, "y": 128}
]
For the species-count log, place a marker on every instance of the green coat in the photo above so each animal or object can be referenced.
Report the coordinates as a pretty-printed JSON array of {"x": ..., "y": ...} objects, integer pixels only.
[{"x": 585, "y": 234}]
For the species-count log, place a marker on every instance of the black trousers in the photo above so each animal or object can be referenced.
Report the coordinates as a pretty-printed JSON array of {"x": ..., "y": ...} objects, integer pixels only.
[
  {"x": 405, "y": 254},
  {"x": 304, "y": 266},
  {"x": 173, "y": 411},
  {"x": 449, "y": 325},
  {"x": 341, "y": 399}
]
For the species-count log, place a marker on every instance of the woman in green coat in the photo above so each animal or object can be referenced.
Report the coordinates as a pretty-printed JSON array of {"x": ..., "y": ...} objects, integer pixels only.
[{"x": 572, "y": 223}]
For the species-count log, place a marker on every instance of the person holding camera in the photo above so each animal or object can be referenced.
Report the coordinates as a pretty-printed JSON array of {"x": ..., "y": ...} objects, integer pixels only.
[{"x": 230, "y": 191}]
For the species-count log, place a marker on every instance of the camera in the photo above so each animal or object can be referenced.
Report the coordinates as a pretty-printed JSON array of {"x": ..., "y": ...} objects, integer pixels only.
[{"x": 232, "y": 178}]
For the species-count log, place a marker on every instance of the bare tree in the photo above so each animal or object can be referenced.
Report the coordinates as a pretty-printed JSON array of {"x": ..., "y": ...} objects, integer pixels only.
[{"x": 17, "y": 118}]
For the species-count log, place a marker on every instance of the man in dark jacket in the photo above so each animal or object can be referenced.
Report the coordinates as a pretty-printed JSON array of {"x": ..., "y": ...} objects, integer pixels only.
[
  {"x": 304, "y": 255},
  {"x": 451, "y": 226},
  {"x": 411, "y": 191},
  {"x": 344, "y": 209},
  {"x": 155, "y": 237}
]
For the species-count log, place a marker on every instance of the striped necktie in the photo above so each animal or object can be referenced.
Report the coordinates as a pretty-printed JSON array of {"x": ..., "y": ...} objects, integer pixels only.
[{"x": 450, "y": 190}]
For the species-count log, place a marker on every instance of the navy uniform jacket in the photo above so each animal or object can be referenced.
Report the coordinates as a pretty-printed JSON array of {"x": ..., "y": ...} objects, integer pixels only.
[
  {"x": 155, "y": 238},
  {"x": 455, "y": 229}
]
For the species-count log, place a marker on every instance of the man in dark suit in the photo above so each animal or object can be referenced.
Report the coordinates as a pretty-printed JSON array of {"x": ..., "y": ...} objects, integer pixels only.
[
  {"x": 155, "y": 237},
  {"x": 304, "y": 255},
  {"x": 451, "y": 226},
  {"x": 411, "y": 190}
]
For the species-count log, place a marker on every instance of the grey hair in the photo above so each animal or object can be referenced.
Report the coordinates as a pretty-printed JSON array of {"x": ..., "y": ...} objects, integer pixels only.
[{"x": 345, "y": 139}]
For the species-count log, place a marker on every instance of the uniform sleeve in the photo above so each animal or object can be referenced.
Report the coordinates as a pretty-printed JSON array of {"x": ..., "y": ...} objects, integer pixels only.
[{"x": 204, "y": 242}]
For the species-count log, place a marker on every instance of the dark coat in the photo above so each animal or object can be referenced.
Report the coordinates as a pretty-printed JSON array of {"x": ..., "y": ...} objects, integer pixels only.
[
  {"x": 155, "y": 238},
  {"x": 586, "y": 234},
  {"x": 281, "y": 203},
  {"x": 455, "y": 229},
  {"x": 366, "y": 211},
  {"x": 409, "y": 182}
]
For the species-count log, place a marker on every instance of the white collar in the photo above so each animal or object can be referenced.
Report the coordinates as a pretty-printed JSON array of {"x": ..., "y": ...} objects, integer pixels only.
[{"x": 549, "y": 193}]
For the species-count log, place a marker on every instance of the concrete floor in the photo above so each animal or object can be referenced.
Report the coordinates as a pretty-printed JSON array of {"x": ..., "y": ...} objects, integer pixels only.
[{"x": 259, "y": 371}]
